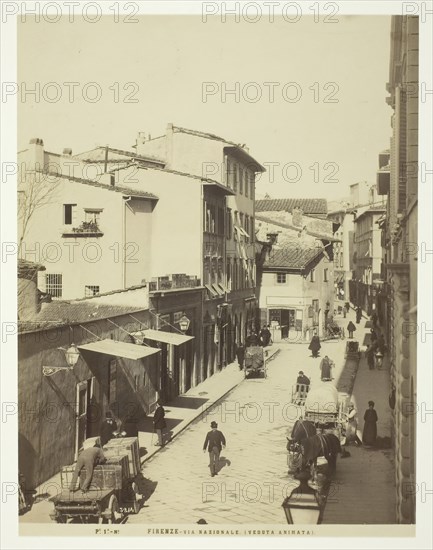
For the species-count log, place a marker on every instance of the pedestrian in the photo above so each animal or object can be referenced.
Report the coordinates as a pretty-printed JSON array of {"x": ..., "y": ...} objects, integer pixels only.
[
  {"x": 159, "y": 423},
  {"x": 265, "y": 335},
  {"x": 326, "y": 365},
  {"x": 374, "y": 319},
  {"x": 253, "y": 340},
  {"x": 347, "y": 306},
  {"x": 214, "y": 443},
  {"x": 358, "y": 314},
  {"x": 240, "y": 354},
  {"x": 369, "y": 434},
  {"x": 89, "y": 458},
  {"x": 315, "y": 345},
  {"x": 352, "y": 432},
  {"x": 351, "y": 329},
  {"x": 381, "y": 343},
  {"x": 370, "y": 356},
  {"x": 108, "y": 428}
]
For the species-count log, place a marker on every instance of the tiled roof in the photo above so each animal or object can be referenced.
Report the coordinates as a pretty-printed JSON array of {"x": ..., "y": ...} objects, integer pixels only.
[
  {"x": 318, "y": 207},
  {"x": 64, "y": 313},
  {"x": 292, "y": 256},
  {"x": 97, "y": 155},
  {"x": 285, "y": 225},
  {"x": 115, "y": 188}
]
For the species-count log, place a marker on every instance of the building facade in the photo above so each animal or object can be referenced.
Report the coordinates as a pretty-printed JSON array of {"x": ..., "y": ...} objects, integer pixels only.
[
  {"x": 343, "y": 252},
  {"x": 399, "y": 183}
]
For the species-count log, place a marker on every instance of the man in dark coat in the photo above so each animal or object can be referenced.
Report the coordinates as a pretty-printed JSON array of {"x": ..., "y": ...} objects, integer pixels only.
[
  {"x": 304, "y": 380},
  {"x": 159, "y": 423},
  {"x": 351, "y": 329},
  {"x": 315, "y": 345},
  {"x": 240, "y": 354},
  {"x": 253, "y": 340},
  {"x": 214, "y": 443},
  {"x": 108, "y": 427},
  {"x": 326, "y": 365},
  {"x": 89, "y": 458},
  {"x": 265, "y": 335},
  {"x": 358, "y": 314}
]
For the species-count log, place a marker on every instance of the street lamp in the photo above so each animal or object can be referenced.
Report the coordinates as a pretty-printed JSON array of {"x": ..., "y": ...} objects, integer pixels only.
[
  {"x": 71, "y": 355},
  {"x": 184, "y": 323},
  {"x": 303, "y": 505}
]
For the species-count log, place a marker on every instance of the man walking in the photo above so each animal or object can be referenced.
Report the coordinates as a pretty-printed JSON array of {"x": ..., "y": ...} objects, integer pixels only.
[
  {"x": 265, "y": 335},
  {"x": 214, "y": 442},
  {"x": 159, "y": 423},
  {"x": 351, "y": 329},
  {"x": 240, "y": 354},
  {"x": 326, "y": 366},
  {"x": 89, "y": 458}
]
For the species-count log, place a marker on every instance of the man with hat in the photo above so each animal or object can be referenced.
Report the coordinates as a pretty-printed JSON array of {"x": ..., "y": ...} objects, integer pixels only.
[
  {"x": 214, "y": 443},
  {"x": 108, "y": 428}
]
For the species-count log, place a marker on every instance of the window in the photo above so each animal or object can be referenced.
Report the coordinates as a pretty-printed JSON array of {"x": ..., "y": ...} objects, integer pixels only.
[
  {"x": 341, "y": 259},
  {"x": 229, "y": 224},
  {"x": 252, "y": 185},
  {"x": 235, "y": 176},
  {"x": 68, "y": 213},
  {"x": 247, "y": 181},
  {"x": 325, "y": 275},
  {"x": 92, "y": 215},
  {"x": 313, "y": 275},
  {"x": 281, "y": 278},
  {"x": 241, "y": 179},
  {"x": 53, "y": 284},
  {"x": 91, "y": 290},
  {"x": 136, "y": 383}
]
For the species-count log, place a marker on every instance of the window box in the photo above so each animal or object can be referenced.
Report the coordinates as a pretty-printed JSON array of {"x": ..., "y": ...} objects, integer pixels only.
[{"x": 86, "y": 229}]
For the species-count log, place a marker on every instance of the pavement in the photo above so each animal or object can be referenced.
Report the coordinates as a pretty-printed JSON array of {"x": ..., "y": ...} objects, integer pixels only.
[
  {"x": 255, "y": 416},
  {"x": 363, "y": 491}
]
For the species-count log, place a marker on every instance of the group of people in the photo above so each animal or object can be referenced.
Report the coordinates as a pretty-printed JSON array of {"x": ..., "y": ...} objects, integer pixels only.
[
  {"x": 263, "y": 338},
  {"x": 369, "y": 433}
]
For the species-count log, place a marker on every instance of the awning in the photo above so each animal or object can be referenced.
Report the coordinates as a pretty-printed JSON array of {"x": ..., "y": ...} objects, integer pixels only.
[
  {"x": 218, "y": 289},
  {"x": 119, "y": 349},
  {"x": 241, "y": 230},
  {"x": 211, "y": 290},
  {"x": 161, "y": 336}
]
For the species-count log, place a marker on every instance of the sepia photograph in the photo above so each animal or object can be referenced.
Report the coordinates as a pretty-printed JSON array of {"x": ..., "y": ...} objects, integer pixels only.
[{"x": 211, "y": 251}]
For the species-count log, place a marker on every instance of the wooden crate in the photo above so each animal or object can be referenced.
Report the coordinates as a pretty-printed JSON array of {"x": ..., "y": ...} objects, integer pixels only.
[
  {"x": 105, "y": 476},
  {"x": 121, "y": 460},
  {"x": 66, "y": 474},
  {"x": 129, "y": 446}
]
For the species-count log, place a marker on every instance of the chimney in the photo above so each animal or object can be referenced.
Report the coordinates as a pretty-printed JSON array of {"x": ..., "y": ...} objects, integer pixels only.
[
  {"x": 28, "y": 293},
  {"x": 37, "y": 158},
  {"x": 67, "y": 152}
]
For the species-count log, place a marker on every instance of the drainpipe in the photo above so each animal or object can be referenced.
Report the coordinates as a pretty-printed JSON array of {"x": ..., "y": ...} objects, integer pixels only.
[{"x": 126, "y": 200}]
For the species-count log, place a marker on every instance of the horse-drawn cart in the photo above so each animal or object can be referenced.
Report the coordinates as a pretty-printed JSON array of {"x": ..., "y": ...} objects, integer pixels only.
[
  {"x": 113, "y": 492},
  {"x": 255, "y": 361},
  {"x": 325, "y": 410}
]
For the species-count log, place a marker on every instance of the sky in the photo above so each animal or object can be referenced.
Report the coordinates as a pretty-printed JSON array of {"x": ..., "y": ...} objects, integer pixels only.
[{"x": 321, "y": 132}]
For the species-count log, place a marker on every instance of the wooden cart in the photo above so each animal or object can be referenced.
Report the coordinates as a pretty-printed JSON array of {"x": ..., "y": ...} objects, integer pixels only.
[
  {"x": 255, "y": 362},
  {"x": 114, "y": 490}
]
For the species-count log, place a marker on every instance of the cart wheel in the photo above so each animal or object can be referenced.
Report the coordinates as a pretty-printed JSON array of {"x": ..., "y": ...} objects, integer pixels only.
[
  {"x": 113, "y": 507},
  {"x": 136, "y": 497}
]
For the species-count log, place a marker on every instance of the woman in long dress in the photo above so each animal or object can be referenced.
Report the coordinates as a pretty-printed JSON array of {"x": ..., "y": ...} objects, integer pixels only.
[{"x": 370, "y": 429}]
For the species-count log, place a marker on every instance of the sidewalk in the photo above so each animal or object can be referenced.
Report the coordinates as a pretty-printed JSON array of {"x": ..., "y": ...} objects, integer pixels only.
[
  {"x": 364, "y": 490},
  {"x": 180, "y": 413}
]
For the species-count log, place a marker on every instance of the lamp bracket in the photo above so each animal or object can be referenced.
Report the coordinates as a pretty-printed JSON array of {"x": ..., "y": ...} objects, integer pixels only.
[{"x": 49, "y": 371}]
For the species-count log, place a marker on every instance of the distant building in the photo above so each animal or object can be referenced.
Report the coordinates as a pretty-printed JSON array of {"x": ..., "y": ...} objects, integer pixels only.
[
  {"x": 342, "y": 219},
  {"x": 296, "y": 294}
]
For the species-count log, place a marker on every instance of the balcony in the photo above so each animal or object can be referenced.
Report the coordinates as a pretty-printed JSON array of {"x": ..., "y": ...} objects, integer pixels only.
[
  {"x": 175, "y": 281},
  {"x": 86, "y": 229}
]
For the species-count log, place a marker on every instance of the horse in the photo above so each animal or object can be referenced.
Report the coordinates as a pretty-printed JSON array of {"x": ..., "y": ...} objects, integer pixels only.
[
  {"x": 302, "y": 429},
  {"x": 326, "y": 445}
]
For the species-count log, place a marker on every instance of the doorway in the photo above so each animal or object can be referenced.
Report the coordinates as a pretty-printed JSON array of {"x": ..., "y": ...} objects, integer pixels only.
[{"x": 83, "y": 409}]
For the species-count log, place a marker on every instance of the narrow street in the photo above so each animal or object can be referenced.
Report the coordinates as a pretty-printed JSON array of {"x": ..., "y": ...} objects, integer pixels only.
[{"x": 253, "y": 481}]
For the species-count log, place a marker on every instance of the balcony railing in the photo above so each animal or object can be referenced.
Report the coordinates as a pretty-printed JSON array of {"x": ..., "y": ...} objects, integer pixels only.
[
  {"x": 174, "y": 281},
  {"x": 86, "y": 229}
]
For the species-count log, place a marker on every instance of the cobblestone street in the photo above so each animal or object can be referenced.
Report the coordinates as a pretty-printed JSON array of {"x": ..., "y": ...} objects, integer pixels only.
[{"x": 252, "y": 482}]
